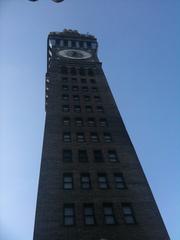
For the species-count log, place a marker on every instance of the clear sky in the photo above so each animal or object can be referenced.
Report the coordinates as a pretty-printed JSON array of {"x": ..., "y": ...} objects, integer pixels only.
[{"x": 139, "y": 47}]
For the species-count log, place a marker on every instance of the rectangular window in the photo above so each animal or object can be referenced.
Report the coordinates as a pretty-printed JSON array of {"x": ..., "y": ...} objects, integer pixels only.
[
  {"x": 89, "y": 217},
  {"x": 67, "y": 155},
  {"x": 103, "y": 122},
  {"x": 87, "y": 98},
  {"x": 67, "y": 137},
  {"x": 119, "y": 181},
  {"x": 94, "y": 137},
  {"x": 82, "y": 72},
  {"x": 85, "y": 89},
  {"x": 91, "y": 122},
  {"x": 98, "y": 156},
  {"x": 74, "y": 80},
  {"x": 102, "y": 181},
  {"x": 69, "y": 214},
  {"x": 128, "y": 213},
  {"x": 75, "y": 88},
  {"x": 66, "y": 121},
  {"x": 112, "y": 156},
  {"x": 97, "y": 98},
  {"x": 65, "y": 97},
  {"x": 107, "y": 137},
  {"x": 64, "y": 79},
  {"x": 92, "y": 80},
  {"x": 73, "y": 71},
  {"x": 77, "y": 108},
  {"x": 76, "y": 98},
  {"x": 67, "y": 181},
  {"x": 90, "y": 72},
  {"x": 65, "y": 108},
  {"x": 65, "y": 87},
  {"x": 83, "y": 80},
  {"x": 109, "y": 217},
  {"x": 85, "y": 181},
  {"x": 79, "y": 122},
  {"x": 83, "y": 157},
  {"x": 80, "y": 137},
  {"x": 88, "y": 109},
  {"x": 100, "y": 109},
  {"x": 94, "y": 89}
]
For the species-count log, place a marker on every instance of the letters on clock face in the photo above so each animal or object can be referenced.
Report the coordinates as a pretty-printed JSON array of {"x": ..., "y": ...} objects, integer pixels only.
[{"x": 74, "y": 54}]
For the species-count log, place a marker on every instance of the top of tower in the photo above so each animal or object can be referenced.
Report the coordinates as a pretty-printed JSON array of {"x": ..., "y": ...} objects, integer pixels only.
[{"x": 72, "y": 33}]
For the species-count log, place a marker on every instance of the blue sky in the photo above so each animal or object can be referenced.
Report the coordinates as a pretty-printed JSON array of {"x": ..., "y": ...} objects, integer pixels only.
[{"x": 139, "y": 47}]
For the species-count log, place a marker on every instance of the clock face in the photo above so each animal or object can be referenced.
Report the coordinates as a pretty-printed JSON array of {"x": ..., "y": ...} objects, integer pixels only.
[{"x": 74, "y": 54}]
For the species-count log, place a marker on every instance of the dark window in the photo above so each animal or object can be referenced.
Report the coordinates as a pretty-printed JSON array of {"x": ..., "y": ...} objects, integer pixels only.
[
  {"x": 65, "y": 108},
  {"x": 75, "y": 88},
  {"x": 112, "y": 156},
  {"x": 67, "y": 137},
  {"x": 85, "y": 89},
  {"x": 83, "y": 157},
  {"x": 66, "y": 121},
  {"x": 128, "y": 213},
  {"x": 57, "y": 41},
  {"x": 87, "y": 98},
  {"x": 85, "y": 181},
  {"x": 83, "y": 80},
  {"x": 65, "y": 43},
  {"x": 94, "y": 137},
  {"x": 103, "y": 122},
  {"x": 119, "y": 181},
  {"x": 80, "y": 137},
  {"x": 69, "y": 214},
  {"x": 89, "y": 218},
  {"x": 67, "y": 155},
  {"x": 90, "y": 72},
  {"x": 76, "y": 98},
  {"x": 95, "y": 89},
  {"x": 65, "y": 79},
  {"x": 88, "y": 109},
  {"x": 89, "y": 44},
  {"x": 91, "y": 122},
  {"x": 82, "y": 72},
  {"x": 81, "y": 44},
  {"x": 109, "y": 217},
  {"x": 65, "y": 87},
  {"x": 77, "y": 108},
  {"x": 107, "y": 137},
  {"x": 65, "y": 97},
  {"x": 68, "y": 181},
  {"x": 74, "y": 80},
  {"x": 100, "y": 109},
  {"x": 92, "y": 80},
  {"x": 73, "y": 71},
  {"x": 64, "y": 70},
  {"x": 98, "y": 156},
  {"x": 102, "y": 181},
  {"x": 79, "y": 122},
  {"x": 73, "y": 43},
  {"x": 97, "y": 98}
]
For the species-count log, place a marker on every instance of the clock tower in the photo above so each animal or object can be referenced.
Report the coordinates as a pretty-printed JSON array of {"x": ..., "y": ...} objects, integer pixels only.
[{"x": 91, "y": 184}]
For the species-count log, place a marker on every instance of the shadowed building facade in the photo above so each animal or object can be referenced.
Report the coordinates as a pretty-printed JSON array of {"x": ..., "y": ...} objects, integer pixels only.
[{"x": 91, "y": 185}]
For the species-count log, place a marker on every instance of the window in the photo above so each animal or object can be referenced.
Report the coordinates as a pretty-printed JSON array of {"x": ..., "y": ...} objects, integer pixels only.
[
  {"x": 102, "y": 181},
  {"x": 90, "y": 72},
  {"x": 80, "y": 137},
  {"x": 87, "y": 98},
  {"x": 128, "y": 213},
  {"x": 64, "y": 70},
  {"x": 88, "y": 44},
  {"x": 98, "y": 156},
  {"x": 67, "y": 155},
  {"x": 65, "y": 87},
  {"x": 82, "y": 72},
  {"x": 83, "y": 157},
  {"x": 65, "y": 108},
  {"x": 73, "y": 71},
  {"x": 64, "y": 79},
  {"x": 74, "y": 80},
  {"x": 81, "y": 44},
  {"x": 83, "y": 80},
  {"x": 108, "y": 214},
  {"x": 67, "y": 137},
  {"x": 100, "y": 109},
  {"x": 77, "y": 108},
  {"x": 76, "y": 98},
  {"x": 95, "y": 89},
  {"x": 67, "y": 181},
  {"x": 85, "y": 89},
  {"x": 66, "y": 121},
  {"x": 79, "y": 122},
  {"x": 89, "y": 218},
  {"x": 92, "y": 80},
  {"x": 65, "y": 43},
  {"x": 88, "y": 109},
  {"x": 103, "y": 122},
  {"x": 75, "y": 88},
  {"x": 85, "y": 181},
  {"x": 119, "y": 181},
  {"x": 94, "y": 137},
  {"x": 112, "y": 156},
  {"x": 107, "y": 137},
  {"x": 91, "y": 122},
  {"x": 97, "y": 98},
  {"x": 73, "y": 43},
  {"x": 65, "y": 97},
  {"x": 69, "y": 214}
]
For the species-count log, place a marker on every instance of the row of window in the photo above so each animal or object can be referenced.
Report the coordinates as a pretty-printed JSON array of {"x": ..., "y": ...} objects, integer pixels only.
[
  {"x": 72, "y": 43},
  {"x": 79, "y": 122},
  {"x": 76, "y": 88},
  {"x": 86, "y": 98},
  {"x": 76, "y": 80},
  {"x": 77, "y": 108},
  {"x": 80, "y": 137},
  {"x": 85, "y": 181},
  {"x": 82, "y": 155},
  {"x": 109, "y": 216},
  {"x": 74, "y": 71}
]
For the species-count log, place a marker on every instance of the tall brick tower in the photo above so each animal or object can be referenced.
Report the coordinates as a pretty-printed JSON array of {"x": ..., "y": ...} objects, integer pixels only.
[{"x": 91, "y": 185}]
